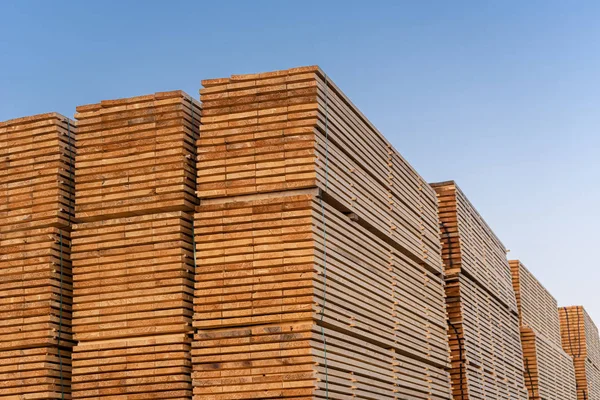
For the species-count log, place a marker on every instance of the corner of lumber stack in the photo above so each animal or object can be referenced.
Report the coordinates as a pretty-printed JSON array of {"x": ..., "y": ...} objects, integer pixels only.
[
  {"x": 319, "y": 271},
  {"x": 548, "y": 370},
  {"x": 36, "y": 209},
  {"x": 133, "y": 258},
  {"x": 483, "y": 323},
  {"x": 581, "y": 341}
]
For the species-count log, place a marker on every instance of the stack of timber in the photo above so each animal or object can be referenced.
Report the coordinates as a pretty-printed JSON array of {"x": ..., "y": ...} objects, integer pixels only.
[
  {"x": 36, "y": 208},
  {"x": 320, "y": 271},
  {"x": 133, "y": 257},
  {"x": 486, "y": 353},
  {"x": 549, "y": 372},
  {"x": 580, "y": 339}
]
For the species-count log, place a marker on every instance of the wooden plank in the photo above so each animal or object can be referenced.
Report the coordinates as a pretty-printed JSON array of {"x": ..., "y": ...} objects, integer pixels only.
[
  {"x": 133, "y": 258},
  {"x": 483, "y": 325},
  {"x": 580, "y": 339},
  {"x": 36, "y": 208},
  {"x": 136, "y": 156},
  {"x": 270, "y": 136},
  {"x": 548, "y": 370}
]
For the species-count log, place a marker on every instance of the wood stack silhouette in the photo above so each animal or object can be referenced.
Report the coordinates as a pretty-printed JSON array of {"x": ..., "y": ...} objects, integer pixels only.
[
  {"x": 486, "y": 354},
  {"x": 319, "y": 273},
  {"x": 36, "y": 208},
  {"x": 549, "y": 372},
  {"x": 133, "y": 264},
  {"x": 580, "y": 339}
]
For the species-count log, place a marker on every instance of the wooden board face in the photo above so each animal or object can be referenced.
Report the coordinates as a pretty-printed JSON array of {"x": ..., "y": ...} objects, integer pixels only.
[
  {"x": 133, "y": 276},
  {"x": 35, "y": 289},
  {"x": 35, "y": 373},
  {"x": 580, "y": 340},
  {"x": 537, "y": 308},
  {"x": 288, "y": 361},
  {"x": 258, "y": 256},
  {"x": 296, "y": 131},
  {"x": 133, "y": 253},
  {"x": 320, "y": 273},
  {"x": 139, "y": 367},
  {"x": 36, "y": 178},
  {"x": 36, "y": 209},
  {"x": 483, "y": 331},
  {"x": 271, "y": 268},
  {"x": 548, "y": 370},
  {"x": 476, "y": 250},
  {"x": 136, "y": 156},
  {"x": 489, "y": 343}
]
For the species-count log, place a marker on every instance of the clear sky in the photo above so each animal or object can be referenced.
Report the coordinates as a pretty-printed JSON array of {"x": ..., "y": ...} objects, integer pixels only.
[{"x": 501, "y": 96}]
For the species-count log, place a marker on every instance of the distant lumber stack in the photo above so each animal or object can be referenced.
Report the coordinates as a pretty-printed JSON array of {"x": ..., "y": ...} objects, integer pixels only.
[
  {"x": 549, "y": 372},
  {"x": 319, "y": 271},
  {"x": 133, "y": 262},
  {"x": 580, "y": 339},
  {"x": 486, "y": 354},
  {"x": 36, "y": 208}
]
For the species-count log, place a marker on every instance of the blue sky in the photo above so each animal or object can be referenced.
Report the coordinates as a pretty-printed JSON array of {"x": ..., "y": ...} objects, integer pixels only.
[{"x": 502, "y": 97}]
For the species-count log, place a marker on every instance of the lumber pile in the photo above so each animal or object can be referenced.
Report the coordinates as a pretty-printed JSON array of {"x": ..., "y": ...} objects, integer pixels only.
[
  {"x": 133, "y": 257},
  {"x": 319, "y": 271},
  {"x": 580, "y": 339},
  {"x": 36, "y": 207},
  {"x": 548, "y": 369},
  {"x": 485, "y": 349}
]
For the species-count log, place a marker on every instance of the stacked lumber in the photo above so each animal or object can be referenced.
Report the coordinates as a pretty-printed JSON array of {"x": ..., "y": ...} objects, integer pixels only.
[
  {"x": 320, "y": 272},
  {"x": 548, "y": 369},
  {"x": 136, "y": 156},
  {"x": 580, "y": 340},
  {"x": 36, "y": 207},
  {"x": 486, "y": 354},
  {"x": 295, "y": 129},
  {"x": 133, "y": 257}
]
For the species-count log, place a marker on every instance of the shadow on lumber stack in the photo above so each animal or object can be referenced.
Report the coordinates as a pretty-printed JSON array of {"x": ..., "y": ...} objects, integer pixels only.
[
  {"x": 319, "y": 271},
  {"x": 549, "y": 372},
  {"x": 580, "y": 339},
  {"x": 133, "y": 262},
  {"x": 36, "y": 207},
  {"x": 486, "y": 354}
]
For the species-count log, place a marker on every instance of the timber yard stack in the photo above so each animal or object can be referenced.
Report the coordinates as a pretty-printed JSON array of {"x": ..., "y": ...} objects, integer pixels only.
[
  {"x": 549, "y": 372},
  {"x": 319, "y": 273},
  {"x": 486, "y": 354},
  {"x": 580, "y": 339},
  {"x": 133, "y": 261},
  {"x": 271, "y": 244},
  {"x": 36, "y": 187}
]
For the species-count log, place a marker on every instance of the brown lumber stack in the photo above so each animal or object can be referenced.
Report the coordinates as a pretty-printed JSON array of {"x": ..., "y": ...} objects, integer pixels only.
[
  {"x": 319, "y": 270},
  {"x": 133, "y": 264},
  {"x": 486, "y": 354},
  {"x": 580, "y": 339},
  {"x": 549, "y": 372},
  {"x": 36, "y": 207}
]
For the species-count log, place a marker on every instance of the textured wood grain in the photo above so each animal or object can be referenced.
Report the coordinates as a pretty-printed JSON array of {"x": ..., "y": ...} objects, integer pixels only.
[
  {"x": 133, "y": 264},
  {"x": 486, "y": 353},
  {"x": 548, "y": 370},
  {"x": 580, "y": 339},
  {"x": 320, "y": 273},
  {"x": 36, "y": 209}
]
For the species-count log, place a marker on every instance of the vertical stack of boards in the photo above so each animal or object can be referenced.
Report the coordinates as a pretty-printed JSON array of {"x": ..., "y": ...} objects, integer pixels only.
[
  {"x": 133, "y": 262},
  {"x": 320, "y": 272},
  {"x": 549, "y": 371},
  {"x": 36, "y": 209},
  {"x": 580, "y": 339},
  {"x": 486, "y": 354},
  {"x": 269, "y": 244}
]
